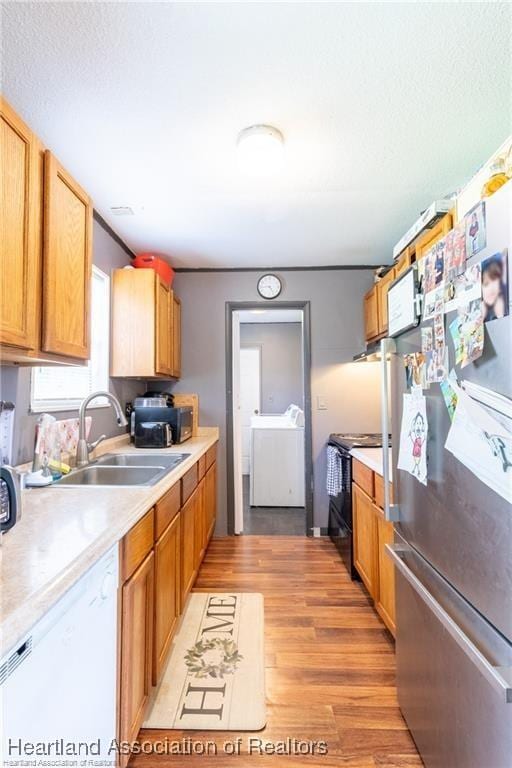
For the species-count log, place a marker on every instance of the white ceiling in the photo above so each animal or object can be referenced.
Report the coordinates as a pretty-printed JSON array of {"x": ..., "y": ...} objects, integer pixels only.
[
  {"x": 384, "y": 107},
  {"x": 270, "y": 315}
]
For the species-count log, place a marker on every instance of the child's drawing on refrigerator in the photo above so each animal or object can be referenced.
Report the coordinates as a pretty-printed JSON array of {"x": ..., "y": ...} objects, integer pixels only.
[{"x": 413, "y": 437}]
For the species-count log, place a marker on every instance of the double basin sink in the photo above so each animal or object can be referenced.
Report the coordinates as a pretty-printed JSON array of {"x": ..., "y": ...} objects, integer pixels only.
[{"x": 124, "y": 469}]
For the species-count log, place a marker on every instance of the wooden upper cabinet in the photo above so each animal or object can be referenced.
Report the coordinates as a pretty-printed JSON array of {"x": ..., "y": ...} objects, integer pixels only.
[
  {"x": 20, "y": 231},
  {"x": 176, "y": 330},
  {"x": 382, "y": 300},
  {"x": 45, "y": 253},
  {"x": 371, "y": 314},
  {"x": 404, "y": 261},
  {"x": 432, "y": 235},
  {"x": 163, "y": 330},
  {"x": 142, "y": 325},
  {"x": 67, "y": 263}
]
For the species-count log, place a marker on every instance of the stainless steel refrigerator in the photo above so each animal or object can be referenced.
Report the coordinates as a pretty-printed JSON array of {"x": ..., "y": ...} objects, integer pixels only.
[{"x": 453, "y": 562}]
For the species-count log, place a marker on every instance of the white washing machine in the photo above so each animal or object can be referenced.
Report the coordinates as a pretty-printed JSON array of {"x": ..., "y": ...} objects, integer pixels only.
[{"x": 277, "y": 460}]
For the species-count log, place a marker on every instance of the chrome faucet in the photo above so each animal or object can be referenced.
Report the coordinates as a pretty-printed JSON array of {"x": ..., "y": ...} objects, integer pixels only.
[{"x": 83, "y": 448}]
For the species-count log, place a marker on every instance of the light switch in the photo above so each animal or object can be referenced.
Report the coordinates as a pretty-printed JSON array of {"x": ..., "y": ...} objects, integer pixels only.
[{"x": 321, "y": 403}]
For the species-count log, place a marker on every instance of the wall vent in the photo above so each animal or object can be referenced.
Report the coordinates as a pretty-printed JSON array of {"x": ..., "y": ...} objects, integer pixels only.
[{"x": 121, "y": 210}]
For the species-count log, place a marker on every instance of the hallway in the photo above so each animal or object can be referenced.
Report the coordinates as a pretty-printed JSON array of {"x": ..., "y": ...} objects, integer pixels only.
[{"x": 329, "y": 660}]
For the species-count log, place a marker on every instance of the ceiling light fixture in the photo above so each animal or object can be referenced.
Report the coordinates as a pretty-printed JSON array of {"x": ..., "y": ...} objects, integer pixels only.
[{"x": 260, "y": 149}]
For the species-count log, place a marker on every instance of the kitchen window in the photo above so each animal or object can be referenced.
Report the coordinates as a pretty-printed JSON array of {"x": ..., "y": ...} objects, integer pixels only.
[{"x": 62, "y": 388}]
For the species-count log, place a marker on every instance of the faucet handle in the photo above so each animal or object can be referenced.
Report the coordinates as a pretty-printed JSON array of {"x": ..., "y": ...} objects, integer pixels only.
[{"x": 92, "y": 446}]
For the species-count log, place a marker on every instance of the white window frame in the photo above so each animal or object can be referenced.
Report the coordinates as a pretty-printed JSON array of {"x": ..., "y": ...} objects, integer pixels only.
[{"x": 73, "y": 403}]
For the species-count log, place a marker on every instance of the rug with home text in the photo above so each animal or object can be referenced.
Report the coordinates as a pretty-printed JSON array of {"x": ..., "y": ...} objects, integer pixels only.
[{"x": 215, "y": 676}]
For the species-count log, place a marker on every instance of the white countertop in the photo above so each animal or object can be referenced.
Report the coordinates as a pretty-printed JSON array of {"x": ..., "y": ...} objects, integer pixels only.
[
  {"x": 63, "y": 531},
  {"x": 372, "y": 457}
]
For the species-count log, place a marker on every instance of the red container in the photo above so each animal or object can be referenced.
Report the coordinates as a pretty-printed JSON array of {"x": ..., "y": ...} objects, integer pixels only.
[{"x": 161, "y": 267}]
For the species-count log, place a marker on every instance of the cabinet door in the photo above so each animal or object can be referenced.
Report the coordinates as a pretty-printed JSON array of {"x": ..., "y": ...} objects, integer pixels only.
[
  {"x": 371, "y": 317},
  {"x": 210, "y": 495},
  {"x": 403, "y": 263},
  {"x": 200, "y": 525},
  {"x": 164, "y": 335},
  {"x": 167, "y": 593},
  {"x": 188, "y": 561},
  {"x": 136, "y": 649},
  {"x": 386, "y": 598},
  {"x": 20, "y": 232},
  {"x": 365, "y": 539},
  {"x": 67, "y": 263},
  {"x": 382, "y": 300},
  {"x": 431, "y": 236},
  {"x": 176, "y": 345}
]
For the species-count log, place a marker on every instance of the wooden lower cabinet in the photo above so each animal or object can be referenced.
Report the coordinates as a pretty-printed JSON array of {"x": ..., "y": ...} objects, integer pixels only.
[
  {"x": 210, "y": 512},
  {"x": 136, "y": 649},
  {"x": 371, "y": 533},
  {"x": 200, "y": 524},
  {"x": 189, "y": 513},
  {"x": 159, "y": 561},
  {"x": 385, "y": 602},
  {"x": 167, "y": 593},
  {"x": 365, "y": 539}
]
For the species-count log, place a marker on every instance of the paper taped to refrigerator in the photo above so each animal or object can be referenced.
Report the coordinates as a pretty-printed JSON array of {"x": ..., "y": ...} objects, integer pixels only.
[
  {"x": 482, "y": 444},
  {"x": 412, "y": 456}
]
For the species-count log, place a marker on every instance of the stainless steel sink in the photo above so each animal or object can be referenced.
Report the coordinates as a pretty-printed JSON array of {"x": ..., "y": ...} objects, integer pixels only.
[
  {"x": 124, "y": 469},
  {"x": 146, "y": 460}
]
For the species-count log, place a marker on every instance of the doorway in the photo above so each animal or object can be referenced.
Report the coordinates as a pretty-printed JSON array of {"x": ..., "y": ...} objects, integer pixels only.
[{"x": 269, "y": 419}]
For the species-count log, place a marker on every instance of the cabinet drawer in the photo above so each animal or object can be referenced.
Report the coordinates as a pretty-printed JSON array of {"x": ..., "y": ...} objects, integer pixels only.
[
  {"x": 211, "y": 455},
  {"x": 202, "y": 466},
  {"x": 363, "y": 476},
  {"x": 379, "y": 490},
  {"x": 166, "y": 509},
  {"x": 188, "y": 483},
  {"x": 136, "y": 545}
]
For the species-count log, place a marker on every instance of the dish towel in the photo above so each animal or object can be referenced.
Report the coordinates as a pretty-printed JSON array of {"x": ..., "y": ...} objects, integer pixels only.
[{"x": 334, "y": 471}]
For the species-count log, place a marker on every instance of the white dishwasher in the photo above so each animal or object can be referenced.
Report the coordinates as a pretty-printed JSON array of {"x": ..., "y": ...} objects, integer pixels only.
[{"x": 60, "y": 681}]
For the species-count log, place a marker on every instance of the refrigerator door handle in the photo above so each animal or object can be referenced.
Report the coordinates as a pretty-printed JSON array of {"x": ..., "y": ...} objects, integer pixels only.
[
  {"x": 499, "y": 677},
  {"x": 387, "y": 348}
]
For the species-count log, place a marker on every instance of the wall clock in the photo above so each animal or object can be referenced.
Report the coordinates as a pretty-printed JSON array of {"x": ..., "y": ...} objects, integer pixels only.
[{"x": 269, "y": 286}]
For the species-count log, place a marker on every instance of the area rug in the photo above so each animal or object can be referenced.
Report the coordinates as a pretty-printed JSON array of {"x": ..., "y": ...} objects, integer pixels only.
[{"x": 215, "y": 676}]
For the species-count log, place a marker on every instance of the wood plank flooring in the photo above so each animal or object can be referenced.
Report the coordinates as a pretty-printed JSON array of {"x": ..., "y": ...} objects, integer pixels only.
[{"x": 330, "y": 669}]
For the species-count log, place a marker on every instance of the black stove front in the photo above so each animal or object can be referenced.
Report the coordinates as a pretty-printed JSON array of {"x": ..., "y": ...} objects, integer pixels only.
[{"x": 340, "y": 506}]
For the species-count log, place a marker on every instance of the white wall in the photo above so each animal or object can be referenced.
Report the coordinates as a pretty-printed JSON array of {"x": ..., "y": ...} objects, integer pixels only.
[{"x": 281, "y": 362}]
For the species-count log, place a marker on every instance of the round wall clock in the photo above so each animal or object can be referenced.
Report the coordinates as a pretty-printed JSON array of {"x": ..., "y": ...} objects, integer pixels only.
[{"x": 269, "y": 286}]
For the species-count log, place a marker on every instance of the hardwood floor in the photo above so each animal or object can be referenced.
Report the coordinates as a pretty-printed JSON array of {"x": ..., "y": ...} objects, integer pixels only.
[{"x": 329, "y": 662}]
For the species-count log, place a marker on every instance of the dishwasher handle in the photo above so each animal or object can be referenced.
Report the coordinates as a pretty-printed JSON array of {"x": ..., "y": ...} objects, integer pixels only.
[{"x": 499, "y": 677}]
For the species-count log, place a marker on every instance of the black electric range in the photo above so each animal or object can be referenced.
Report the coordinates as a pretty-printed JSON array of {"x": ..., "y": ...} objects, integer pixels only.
[
  {"x": 349, "y": 441},
  {"x": 340, "y": 506}
]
